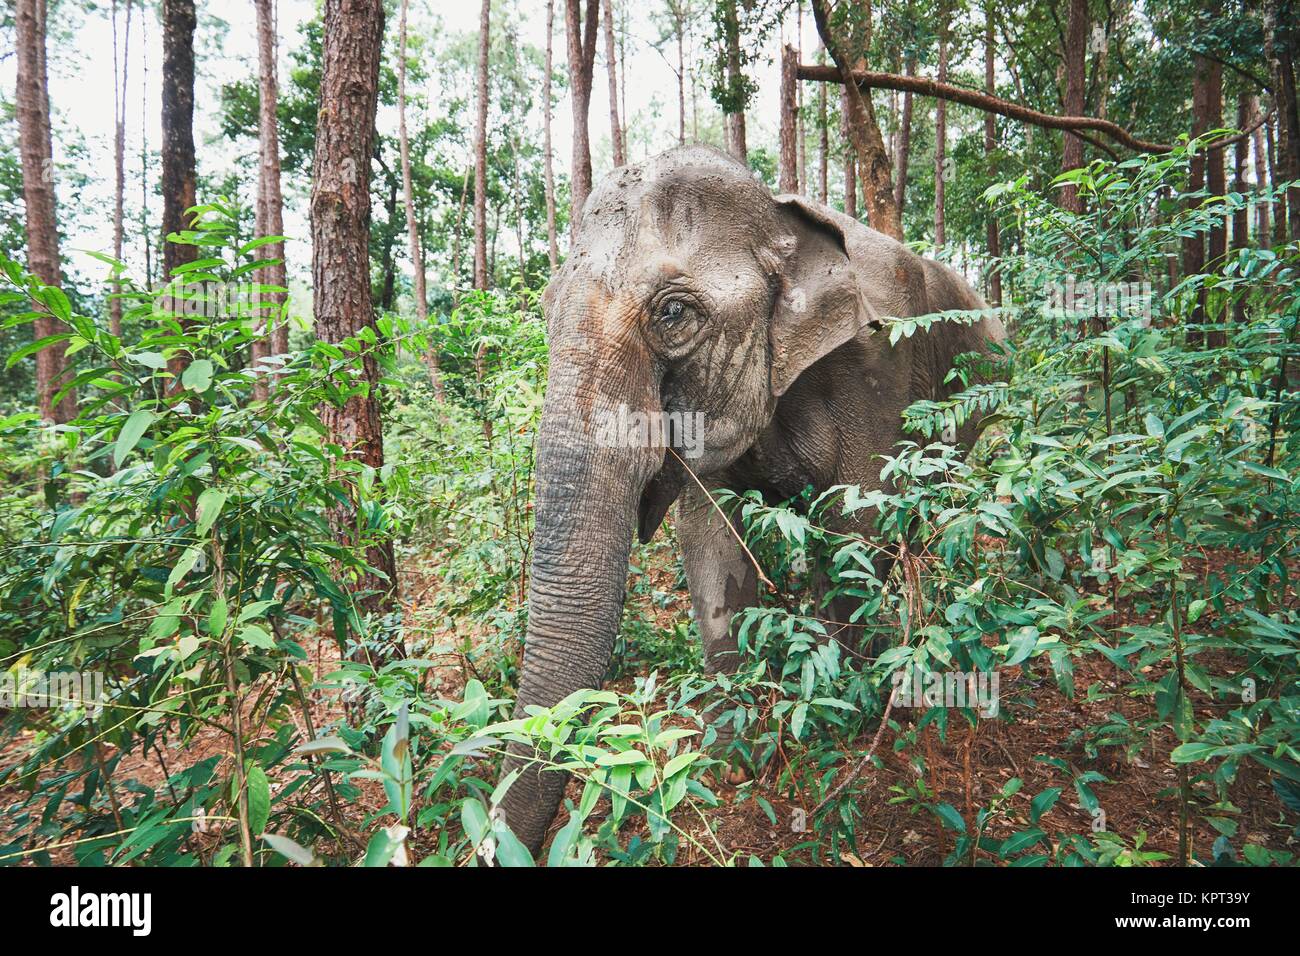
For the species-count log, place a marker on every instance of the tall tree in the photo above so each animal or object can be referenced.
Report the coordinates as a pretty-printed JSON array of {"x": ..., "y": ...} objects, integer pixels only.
[
  {"x": 1262, "y": 217},
  {"x": 408, "y": 189},
  {"x": 580, "y": 37},
  {"x": 340, "y": 232},
  {"x": 1203, "y": 81},
  {"x": 734, "y": 100},
  {"x": 32, "y": 104},
  {"x": 1241, "y": 216},
  {"x": 904, "y": 144},
  {"x": 941, "y": 131},
  {"x": 850, "y": 156},
  {"x": 678, "y": 11},
  {"x": 801, "y": 132},
  {"x": 480, "y": 148},
  {"x": 990, "y": 147},
  {"x": 179, "y": 178},
  {"x": 270, "y": 200},
  {"x": 1075, "y": 59},
  {"x": 823, "y": 134},
  {"x": 119, "y": 154},
  {"x": 873, "y": 161},
  {"x": 611, "y": 67},
  {"x": 1280, "y": 37},
  {"x": 548, "y": 156}
]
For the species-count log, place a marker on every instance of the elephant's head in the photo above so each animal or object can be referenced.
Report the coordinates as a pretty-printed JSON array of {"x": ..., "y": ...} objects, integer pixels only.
[{"x": 690, "y": 290}]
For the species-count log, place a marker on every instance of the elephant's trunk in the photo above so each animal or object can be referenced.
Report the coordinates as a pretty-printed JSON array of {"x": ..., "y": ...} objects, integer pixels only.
[{"x": 588, "y": 492}]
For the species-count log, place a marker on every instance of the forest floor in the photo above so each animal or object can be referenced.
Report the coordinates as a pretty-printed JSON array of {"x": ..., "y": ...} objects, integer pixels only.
[{"x": 966, "y": 768}]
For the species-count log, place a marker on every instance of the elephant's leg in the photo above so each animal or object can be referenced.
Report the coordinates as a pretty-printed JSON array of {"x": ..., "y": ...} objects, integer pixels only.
[{"x": 721, "y": 578}]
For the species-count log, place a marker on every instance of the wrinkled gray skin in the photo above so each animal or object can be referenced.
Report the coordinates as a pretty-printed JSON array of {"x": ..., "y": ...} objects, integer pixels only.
[{"x": 776, "y": 342}]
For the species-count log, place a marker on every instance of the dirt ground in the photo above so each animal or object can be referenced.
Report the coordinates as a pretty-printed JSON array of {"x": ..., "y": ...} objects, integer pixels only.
[{"x": 966, "y": 769}]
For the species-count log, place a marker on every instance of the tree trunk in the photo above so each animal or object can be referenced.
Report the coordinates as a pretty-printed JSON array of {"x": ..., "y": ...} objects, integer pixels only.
[
  {"x": 823, "y": 132},
  {"x": 1216, "y": 240},
  {"x": 990, "y": 148},
  {"x": 873, "y": 162},
  {"x": 408, "y": 192},
  {"x": 581, "y": 42},
  {"x": 734, "y": 110},
  {"x": 941, "y": 132},
  {"x": 119, "y": 158},
  {"x": 270, "y": 202},
  {"x": 548, "y": 160},
  {"x": 340, "y": 228},
  {"x": 800, "y": 132},
  {"x": 611, "y": 67},
  {"x": 789, "y": 182},
  {"x": 1241, "y": 216},
  {"x": 1194, "y": 245},
  {"x": 1279, "y": 37},
  {"x": 1075, "y": 55},
  {"x": 1262, "y": 218},
  {"x": 679, "y": 20},
  {"x": 179, "y": 179},
  {"x": 32, "y": 104},
  {"x": 480, "y": 149},
  {"x": 850, "y": 158},
  {"x": 904, "y": 141}
]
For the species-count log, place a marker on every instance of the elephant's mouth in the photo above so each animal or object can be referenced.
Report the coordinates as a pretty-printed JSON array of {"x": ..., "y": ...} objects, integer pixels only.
[{"x": 659, "y": 495}]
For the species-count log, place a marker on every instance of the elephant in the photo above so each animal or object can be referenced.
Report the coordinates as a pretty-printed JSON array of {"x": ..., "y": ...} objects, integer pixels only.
[{"x": 693, "y": 293}]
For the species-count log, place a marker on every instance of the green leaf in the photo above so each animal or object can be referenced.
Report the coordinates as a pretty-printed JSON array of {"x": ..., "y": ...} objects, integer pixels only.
[
  {"x": 948, "y": 814},
  {"x": 290, "y": 850},
  {"x": 208, "y": 507},
  {"x": 135, "y": 426},
  {"x": 256, "y": 636},
  {"x": 259, "y": 798},
  {"x": 197, "y": 376},
  {"x": 183, "y": 566}
]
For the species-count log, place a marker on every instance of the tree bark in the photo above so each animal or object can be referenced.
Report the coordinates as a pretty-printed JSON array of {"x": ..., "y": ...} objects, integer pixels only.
[
  {"x": 340, "y": 228},
  {"x": 581, "y": 42},
  {"x": 548, "y": 159},
  {"x": 1194, "y": 245},
  {"x": 904, "y": 141},
  {"x": 1216, "y": 240},
  {"x": 737, "y": 143},
  {"x": 1075, "y": 57},
  {"x": 119, "y": 158},
  {"x": 679, "y": 21},
  {"x": 480, "y": 149},
  {"x": 873, "y": 161},
  {"x": 1241, "y": 216},
  {"x": 801, "y": 133},
  {"x": 1279, "y": 40},
  {"x": 32, "y": 104},
  {"x": 270, "y": 202},
  {"x": 850, "y": 158},
  {"x": 178, "y": 163},
  {"x": 179, "y": 178},
  {"x": 993, "y": 239},
  {"x": 1262, "y": 218},
  {"x": 611, "y": 67},
  {"x": 823, "y": 131},
  {"x": 941, "y": 132},
  {"x": 408, "y": 192},
  {"x": 789, "y": 126}
]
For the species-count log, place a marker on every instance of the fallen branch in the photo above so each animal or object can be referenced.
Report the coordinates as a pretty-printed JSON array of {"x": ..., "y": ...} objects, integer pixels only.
[{"x": 983, "y": 101}]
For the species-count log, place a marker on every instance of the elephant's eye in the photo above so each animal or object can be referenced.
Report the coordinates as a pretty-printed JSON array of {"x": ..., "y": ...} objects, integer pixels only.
[{"x": 673, "y": 310}]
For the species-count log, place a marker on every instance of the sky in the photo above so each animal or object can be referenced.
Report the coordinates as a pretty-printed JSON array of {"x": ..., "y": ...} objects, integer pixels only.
[{"x": 80, "y": 51}]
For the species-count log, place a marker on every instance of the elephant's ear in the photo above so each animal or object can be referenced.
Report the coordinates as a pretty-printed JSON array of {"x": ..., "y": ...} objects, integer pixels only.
[{"x": 820, "y": 303}]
